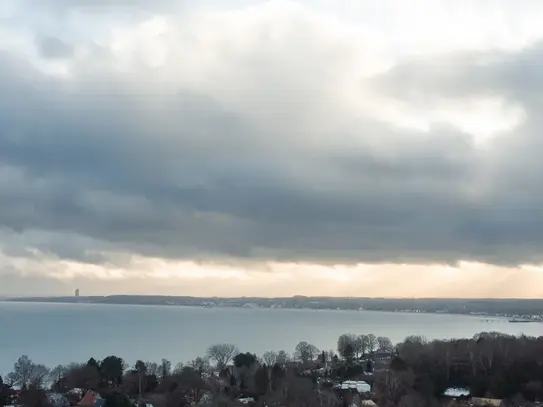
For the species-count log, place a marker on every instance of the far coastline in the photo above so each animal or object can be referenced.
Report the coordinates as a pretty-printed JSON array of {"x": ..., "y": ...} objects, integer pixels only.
[{"x": 515, "y": 310}]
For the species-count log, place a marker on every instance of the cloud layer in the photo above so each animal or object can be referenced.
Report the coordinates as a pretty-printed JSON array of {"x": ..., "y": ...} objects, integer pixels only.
[{"x": 270, "y": 131}]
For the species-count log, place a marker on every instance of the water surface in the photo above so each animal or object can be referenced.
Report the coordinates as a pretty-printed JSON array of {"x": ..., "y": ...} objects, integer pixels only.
[{"x": 61, "y": 333}]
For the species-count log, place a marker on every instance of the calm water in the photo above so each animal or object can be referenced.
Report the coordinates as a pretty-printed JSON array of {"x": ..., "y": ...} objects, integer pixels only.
[{"x": 63, "y": 333}]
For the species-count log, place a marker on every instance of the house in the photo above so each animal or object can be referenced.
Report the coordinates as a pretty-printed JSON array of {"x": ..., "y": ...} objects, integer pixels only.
[
  {"x": 246, "y": 400},
  {"x": 91, "y": 399},
  {"x": 368, "y": 403},
  {"x": 359, "y": 386}
]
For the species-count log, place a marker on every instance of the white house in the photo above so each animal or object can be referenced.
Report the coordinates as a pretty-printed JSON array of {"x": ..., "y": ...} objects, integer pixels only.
[{"x": 359, "y": 386}]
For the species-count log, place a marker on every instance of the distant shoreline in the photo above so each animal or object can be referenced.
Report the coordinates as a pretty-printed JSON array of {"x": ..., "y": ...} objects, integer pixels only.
[
  {"x": 485, "y": 318},
  {"x": 513, "y": 310}
]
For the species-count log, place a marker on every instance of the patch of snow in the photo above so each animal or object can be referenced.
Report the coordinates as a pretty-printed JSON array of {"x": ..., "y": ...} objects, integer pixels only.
[
  {"x": 456, "y": 392},
  {"x": 76, "y": 391}
]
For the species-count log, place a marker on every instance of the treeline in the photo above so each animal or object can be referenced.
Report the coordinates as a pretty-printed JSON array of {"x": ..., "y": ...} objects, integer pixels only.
[
  {"x": 415, "y": 372},
  {"x": 490, "y": 364},
  {"x": 225, "y": 374}
]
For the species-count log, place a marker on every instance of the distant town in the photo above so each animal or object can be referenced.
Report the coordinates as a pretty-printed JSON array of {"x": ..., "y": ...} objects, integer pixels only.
[{"x": 515, "y": 310}]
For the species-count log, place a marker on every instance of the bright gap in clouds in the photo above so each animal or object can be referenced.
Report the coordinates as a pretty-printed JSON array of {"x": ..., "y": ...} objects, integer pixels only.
[
  {"x": 156, "y": 276},
  {"x": 483, "y": 118}
]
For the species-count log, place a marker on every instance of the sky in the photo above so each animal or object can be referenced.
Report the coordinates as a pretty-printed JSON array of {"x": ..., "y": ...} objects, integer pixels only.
[{"x": 271, "y": 148}]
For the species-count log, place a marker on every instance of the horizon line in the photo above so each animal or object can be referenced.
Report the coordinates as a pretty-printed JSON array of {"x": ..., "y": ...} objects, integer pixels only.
[{"x": 266, "y": 297}]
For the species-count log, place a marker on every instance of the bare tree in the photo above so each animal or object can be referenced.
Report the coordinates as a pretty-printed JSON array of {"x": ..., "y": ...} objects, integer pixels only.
[
  {"x": 57, "y": 373},
  {"x": 22, "y": 372},
  {"x": 363, "y": 344},
  {"x": 141, "y": 371},
  {"x": 282, "y": 357},
  {"x": 392, "y": 385},
  {"x": 306, "y": 352},
  {"x": 25, "y": 373},
  {"x": 347, "y": 346},
  {"x": 384, "y": 344},
  {"x": 329, "y": 355},
  {"x": 412, "y": 348},
  {"x": 372, "y": 342},
  {"x": 165, "y": 368},
  {"x": 39, "y": 375},
  {"x": 328, "y": 399},
  {"x": 269, "y": 358},
  {"x": 153, "y": 369},
  {"x": 178, "y": 368},
  {"x": 418, "y": 339},
  {"x": 222, "y": 354},
  {"x": 201, "y": 365}
]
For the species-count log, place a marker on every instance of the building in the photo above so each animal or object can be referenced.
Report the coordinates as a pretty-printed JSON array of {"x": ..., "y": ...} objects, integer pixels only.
[
  {"x": 91, "y": 399},
  {"x": 359, "y": 386},
  {"x": 77, "y": 292}
]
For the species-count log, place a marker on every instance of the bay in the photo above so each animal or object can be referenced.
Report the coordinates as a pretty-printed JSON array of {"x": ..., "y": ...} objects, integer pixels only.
[{"x": 54, "y": 334}]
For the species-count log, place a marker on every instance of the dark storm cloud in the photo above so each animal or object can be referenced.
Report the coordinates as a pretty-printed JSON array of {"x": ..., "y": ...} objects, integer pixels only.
[
  {"x": 509, "y": 224},
  {"x": 117, "y": 165}
]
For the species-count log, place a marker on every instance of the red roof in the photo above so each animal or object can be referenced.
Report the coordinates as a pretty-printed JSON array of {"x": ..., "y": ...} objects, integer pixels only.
[{"x": 88, "y": 399}]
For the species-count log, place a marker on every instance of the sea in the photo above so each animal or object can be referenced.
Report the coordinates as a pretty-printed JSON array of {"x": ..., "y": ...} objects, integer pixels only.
[{"x": 52, "y": 333}]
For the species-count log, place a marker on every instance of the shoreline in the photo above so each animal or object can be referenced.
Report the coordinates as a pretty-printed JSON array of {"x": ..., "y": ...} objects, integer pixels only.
[{"x": 66, "y": 301}]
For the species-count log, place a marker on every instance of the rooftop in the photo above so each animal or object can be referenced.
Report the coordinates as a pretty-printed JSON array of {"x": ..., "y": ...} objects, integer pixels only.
[{"x": 456, "y": 392}]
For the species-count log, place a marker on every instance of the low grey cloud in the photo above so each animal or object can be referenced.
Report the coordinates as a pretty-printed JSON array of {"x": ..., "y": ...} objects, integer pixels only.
[
  {"x": 514, "y": 75},
  {"x": 53, "y": 48},
  {"x": 13, "y": 284},
  {"x": 109, "y": 161}
]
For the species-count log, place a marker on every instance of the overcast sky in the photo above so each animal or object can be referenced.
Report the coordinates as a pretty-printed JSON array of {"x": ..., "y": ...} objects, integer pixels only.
[{"x": 239, "y": 147}]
